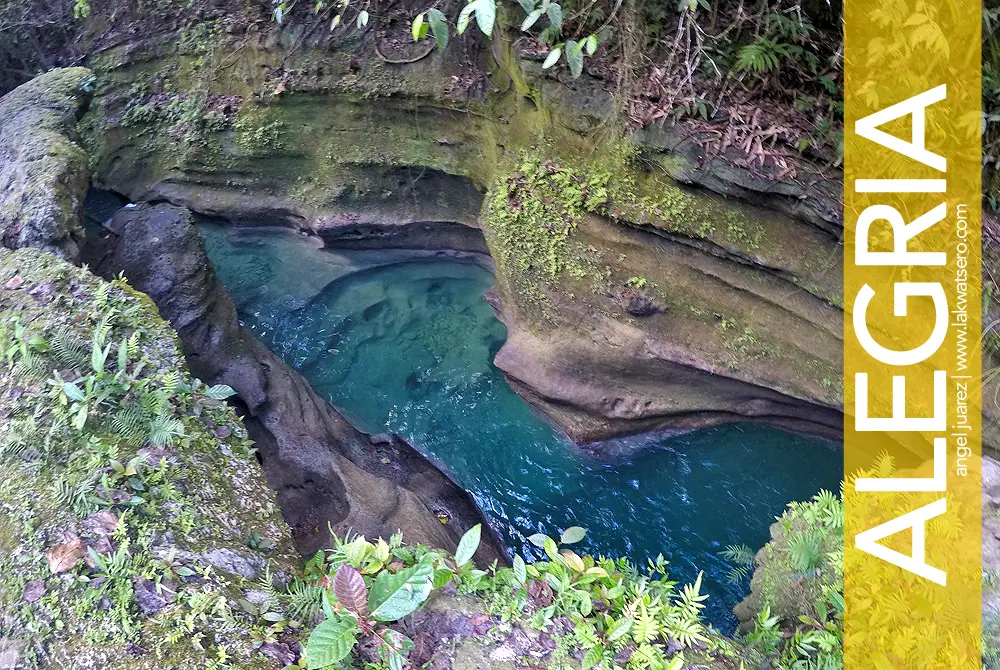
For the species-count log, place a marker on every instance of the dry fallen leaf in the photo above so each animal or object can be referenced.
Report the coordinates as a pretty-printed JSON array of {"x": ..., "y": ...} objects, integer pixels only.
[{"x": 64, "y": 556}]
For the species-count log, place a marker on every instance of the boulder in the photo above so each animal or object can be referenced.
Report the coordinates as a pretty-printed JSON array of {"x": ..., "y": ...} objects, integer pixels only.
[{"x": 43, "y": 168}]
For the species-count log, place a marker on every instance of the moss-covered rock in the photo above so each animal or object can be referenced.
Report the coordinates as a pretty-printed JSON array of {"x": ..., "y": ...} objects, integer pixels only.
[
  {"x": 43, "y": 168},
  {"x": 634, "y": 304},
  {"x": 136, "y": 520}
]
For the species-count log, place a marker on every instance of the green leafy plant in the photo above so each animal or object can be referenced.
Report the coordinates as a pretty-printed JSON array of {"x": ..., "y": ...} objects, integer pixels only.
[
  {"x": 636, "y": 282},
  {"x": 808, "y": 554},
  {"x": 356, "y": 609}
]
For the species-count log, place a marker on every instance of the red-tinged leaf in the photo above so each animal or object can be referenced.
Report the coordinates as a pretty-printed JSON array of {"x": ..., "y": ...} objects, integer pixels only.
[{"x": 349, "y": 587}]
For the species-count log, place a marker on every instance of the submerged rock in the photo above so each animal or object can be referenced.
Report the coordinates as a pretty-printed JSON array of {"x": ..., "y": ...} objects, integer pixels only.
[
  {"x": 43, "y": 168},
  {"x": 324, "y": 470}
]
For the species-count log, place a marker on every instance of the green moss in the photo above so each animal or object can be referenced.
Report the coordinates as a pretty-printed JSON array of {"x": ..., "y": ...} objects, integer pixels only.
[
  {"x": 258, "y": 133},
  {"x": 108, "y": 420}
]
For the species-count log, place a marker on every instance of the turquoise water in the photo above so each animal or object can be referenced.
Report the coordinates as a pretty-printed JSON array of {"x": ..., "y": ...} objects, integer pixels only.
[{"x": 404, "y": 342}]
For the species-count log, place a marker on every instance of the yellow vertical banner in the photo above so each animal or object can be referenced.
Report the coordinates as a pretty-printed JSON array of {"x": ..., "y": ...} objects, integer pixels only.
[{"x": 912, "y": 438}]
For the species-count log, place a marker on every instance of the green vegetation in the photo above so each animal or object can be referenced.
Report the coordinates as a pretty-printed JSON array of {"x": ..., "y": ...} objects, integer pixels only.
[
  {"x": 124, "y": 481},
  {"x": 614, "y": 608},
  {"x": 532, "y": 214},
  {"x": 621, "y": 616},
  {"x": 796, "y": 604}
]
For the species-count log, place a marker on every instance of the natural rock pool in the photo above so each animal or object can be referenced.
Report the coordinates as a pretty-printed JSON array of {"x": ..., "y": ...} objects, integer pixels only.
[{"x": 403, "y": 342}]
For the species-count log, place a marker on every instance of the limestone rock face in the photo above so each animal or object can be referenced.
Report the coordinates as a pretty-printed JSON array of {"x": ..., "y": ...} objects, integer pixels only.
[
  {"x": 325, "y": 471},
  {"x": 43, "y": 169}
]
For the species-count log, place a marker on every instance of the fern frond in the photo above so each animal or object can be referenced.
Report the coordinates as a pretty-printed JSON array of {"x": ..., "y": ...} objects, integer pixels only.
[
  {"x": 31, "y": 366},
  {"x": 131, "y": 421},
  {"x": 305, "y": 600},
  {"x": 170, "y": 382},
  {"x": 163, "y": 431},
  {"x": 738, "y": 574},
  {"x": 805, "y": 550},
  {"x": 740, "y": 554},
  {"x": 758, "y": 57},
  {"x": 101, "y": 296},
  {"x": 68, "y": 349},
  {"x": 133, "y": 345}
]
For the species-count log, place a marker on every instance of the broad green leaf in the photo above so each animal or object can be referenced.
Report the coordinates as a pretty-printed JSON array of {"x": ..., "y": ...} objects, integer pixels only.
[
  {"x": 123, "y": 354},
  {"x": 81, "y": 417},
  {"x": 555, "y": 14},
  {"x": 591, "y": 45},
  {"x": 465, "y": 17},
  {"x": 527, "y": 5},
  {"x": 586, "y": 603},
  {"x": 573, "y": 561},
  {"x": 552, "y": 58},
  {"x": 331, "y": 642},
  {"x": 486, "y": 15},
  {"x": 618, "y": 629},
  {"x": 382, "y": 551},
  {"x": 327, "y": 605},
  {"x": 573, "y": 534},
  {"x": 441, "y": 577},
  {"x": 531, "y": 18},
  {"x": 551, "y": 550},
  {"x": 362, "y": 19},
  {"x": 520, "y": 570},
  {"x": 538, "y": 539},
  {"x": 72, "y": 392},
  {"x": 439, "y": 27},
  {"x": 574, "y": 56},
  {"x": 335, "y": 22},
  {"x": 38, "y": 343},
  {"x": 468, "y": 545},
  {"x": 594, "y": 654},
  {"x": 394, "y": 596},
  {"x": 417, "y": 27},
  {"x": 220, "y": 392},
  {"x": 98, "y": 357}
]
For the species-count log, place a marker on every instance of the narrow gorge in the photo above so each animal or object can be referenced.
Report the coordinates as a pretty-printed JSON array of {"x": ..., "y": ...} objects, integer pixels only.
[{"x": 522, "y": 315}]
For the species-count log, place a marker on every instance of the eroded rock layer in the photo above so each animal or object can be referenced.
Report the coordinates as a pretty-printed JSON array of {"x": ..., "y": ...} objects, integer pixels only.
[{"x": 43, "y": 168}]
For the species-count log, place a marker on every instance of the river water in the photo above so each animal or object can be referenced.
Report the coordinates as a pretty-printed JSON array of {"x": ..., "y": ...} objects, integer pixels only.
[{"x": 404, "y": 342}]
